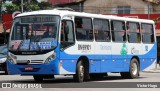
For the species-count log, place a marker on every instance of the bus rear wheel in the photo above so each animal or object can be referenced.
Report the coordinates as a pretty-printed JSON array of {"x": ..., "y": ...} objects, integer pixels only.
[
  {"x": 79, "y": 76},
  {"x": 38, "y": 78},
  {"x": 133, "y": 71}
]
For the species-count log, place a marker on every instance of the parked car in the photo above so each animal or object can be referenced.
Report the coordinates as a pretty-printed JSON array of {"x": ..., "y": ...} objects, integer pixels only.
[{"x": 3, "y": 57}]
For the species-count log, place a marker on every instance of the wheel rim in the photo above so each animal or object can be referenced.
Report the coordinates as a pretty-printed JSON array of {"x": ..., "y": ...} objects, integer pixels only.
[
  {"x": 134, "y": 68},
  {"x": 81, "y": 71}
]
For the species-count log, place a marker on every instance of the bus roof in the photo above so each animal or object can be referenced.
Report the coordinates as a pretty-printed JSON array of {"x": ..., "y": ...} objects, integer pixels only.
[{"x": 83, "y": 14}]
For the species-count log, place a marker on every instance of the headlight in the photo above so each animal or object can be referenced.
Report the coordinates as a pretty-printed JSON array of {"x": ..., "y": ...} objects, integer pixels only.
[
  {"x": 11, "y": 58},
  {"x": 50, "y": 58},
  {"x": 2, "y": 60}
]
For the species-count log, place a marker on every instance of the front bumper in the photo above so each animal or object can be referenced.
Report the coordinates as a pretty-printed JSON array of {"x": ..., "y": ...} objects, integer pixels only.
[
  {"x": 38, "y": 69},
  {"x": 3, "y": 68}
]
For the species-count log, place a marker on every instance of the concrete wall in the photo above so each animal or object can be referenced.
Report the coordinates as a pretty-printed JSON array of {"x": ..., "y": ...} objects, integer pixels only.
[{"x": 110, "y": 6}]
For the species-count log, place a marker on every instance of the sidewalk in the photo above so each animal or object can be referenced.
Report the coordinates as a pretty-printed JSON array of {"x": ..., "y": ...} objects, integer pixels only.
[{"x": 155, "y": 70}]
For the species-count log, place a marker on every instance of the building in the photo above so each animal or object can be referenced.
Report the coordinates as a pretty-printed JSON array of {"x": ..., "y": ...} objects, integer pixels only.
[
  {"x": 60, "y": 1},
  {"x": 111, "y": 6},
  {"x": 143, "y": 9},
  {"x": 117, "y": 6}
]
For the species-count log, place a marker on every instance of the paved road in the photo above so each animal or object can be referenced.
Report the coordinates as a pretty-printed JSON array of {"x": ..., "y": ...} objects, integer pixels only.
[{"x": 111, "y": 83}]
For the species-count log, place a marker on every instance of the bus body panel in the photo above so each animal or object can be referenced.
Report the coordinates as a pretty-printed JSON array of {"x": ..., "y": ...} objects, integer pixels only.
[{"x": 68, "y": 60}]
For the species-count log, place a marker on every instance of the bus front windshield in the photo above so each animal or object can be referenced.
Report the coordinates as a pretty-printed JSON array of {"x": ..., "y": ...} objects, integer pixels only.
[{"x": 34, "y": 33}]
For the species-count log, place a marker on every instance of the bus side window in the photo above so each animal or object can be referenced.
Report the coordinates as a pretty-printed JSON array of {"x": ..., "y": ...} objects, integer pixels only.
[
  {"x": 102, "y": 30},
  {"x": 138, "y": 33},
  {"x": 67, "y": 34},
  {"x": 147, "y": 33},
  {"x": 83, "y": 28},
  {"x": 133, "y": 32},
  {"x": 118, "y": 31}
]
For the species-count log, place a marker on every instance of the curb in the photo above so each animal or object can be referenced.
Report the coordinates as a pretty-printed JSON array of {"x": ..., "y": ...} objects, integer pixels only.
[{"x": 154, "y": 71}]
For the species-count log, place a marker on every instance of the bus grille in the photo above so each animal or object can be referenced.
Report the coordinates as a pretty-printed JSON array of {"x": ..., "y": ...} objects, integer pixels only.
[
  {"x": 29, "y": 61},
  {"x": 36, "y": 61}
]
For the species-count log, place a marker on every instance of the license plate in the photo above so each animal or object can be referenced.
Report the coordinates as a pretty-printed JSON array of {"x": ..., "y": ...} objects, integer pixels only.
[{"x": 29, "y": 68}]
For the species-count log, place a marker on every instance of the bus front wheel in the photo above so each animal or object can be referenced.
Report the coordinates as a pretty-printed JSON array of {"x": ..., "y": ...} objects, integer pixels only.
[
  {"x": 79, "y": 76},
  {"x": 38, "y": 78},
  {"x": 133, "y": 71}
]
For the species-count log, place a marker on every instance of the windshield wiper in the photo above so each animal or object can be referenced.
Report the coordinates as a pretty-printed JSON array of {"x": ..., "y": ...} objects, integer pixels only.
[
  {"x": 2, "y": 53},
  {"x": 38, "y": 47},
  {"x": 31, "y": 37},
  {"x": 20, "y": 45}
]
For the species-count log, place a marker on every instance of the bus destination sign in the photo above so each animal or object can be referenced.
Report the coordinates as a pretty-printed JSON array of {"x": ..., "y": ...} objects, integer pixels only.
[{"x": 38, "y": 19}]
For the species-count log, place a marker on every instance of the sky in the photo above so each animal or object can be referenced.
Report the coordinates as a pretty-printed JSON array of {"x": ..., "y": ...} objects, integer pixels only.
[{"x": 39, "y": 0}]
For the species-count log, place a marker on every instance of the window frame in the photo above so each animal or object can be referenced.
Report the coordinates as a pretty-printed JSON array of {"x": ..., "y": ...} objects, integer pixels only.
[
  {"x": 124, "y": 9},
  {"x": 112, "y": 30},
  {"x": 91, "y": 40},
  {"x": 153, "y": 34},
  {"x": 102, "y": 19},
  {"x": 73, "y": 32},
  {"x": 134, "y": 32}
]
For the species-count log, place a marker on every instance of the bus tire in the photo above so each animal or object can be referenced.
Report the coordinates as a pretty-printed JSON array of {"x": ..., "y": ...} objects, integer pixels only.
[
  {"x": 79, "y": 76},
  {"x": 124, "y": 75},
  {"x": 133, "y": 70},
  {"x": 6, "y": 72},
  {"x": 38, "y": 78}
]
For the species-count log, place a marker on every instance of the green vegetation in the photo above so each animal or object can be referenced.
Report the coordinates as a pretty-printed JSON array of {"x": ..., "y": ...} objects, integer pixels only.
[{"x": 28, "y": 5}]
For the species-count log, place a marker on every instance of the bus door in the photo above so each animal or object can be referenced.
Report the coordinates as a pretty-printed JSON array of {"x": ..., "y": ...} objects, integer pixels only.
[
  {"x": 67, "y": 42},
  {"x": 158, "y": 49}
]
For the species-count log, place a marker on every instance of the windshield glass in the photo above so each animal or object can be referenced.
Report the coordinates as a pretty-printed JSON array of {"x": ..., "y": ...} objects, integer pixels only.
[{"x": 34, "y": 33}]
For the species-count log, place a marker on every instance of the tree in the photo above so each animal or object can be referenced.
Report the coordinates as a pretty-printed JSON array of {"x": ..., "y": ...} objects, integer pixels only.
[
  {"x": 10, "y": 8},
  {"x": 28, "y": 5},
  {"x": 45, "y": 5}
]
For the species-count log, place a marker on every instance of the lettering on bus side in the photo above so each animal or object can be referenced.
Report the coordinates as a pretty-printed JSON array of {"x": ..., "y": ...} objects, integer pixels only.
[
  {"x": 84, "y": 47},
  {"x": 29, "y": 53},
  {"x": 134, "y": 50},
  {"x": 104, "y": 47}
]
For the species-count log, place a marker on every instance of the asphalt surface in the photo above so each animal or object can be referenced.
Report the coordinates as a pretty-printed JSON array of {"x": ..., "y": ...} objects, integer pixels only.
[{"x": 113, "y": 80}]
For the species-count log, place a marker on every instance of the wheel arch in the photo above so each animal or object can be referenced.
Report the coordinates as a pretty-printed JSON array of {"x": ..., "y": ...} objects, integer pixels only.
[
  {"x": 136, "y": 57},
  {"x": 85, "y": 60}
]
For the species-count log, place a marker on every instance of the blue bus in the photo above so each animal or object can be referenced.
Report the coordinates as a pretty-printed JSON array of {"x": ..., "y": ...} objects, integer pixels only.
[{"x": 62, "y": 42}]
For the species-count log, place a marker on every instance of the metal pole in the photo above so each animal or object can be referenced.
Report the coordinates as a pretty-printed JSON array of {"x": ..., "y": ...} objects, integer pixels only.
[
  {"x": 22, "y": 6},
  {"x": 0, "y": 10},
  {"x": 28, "y": 3},
  {"x": 148, "y": 10}
]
